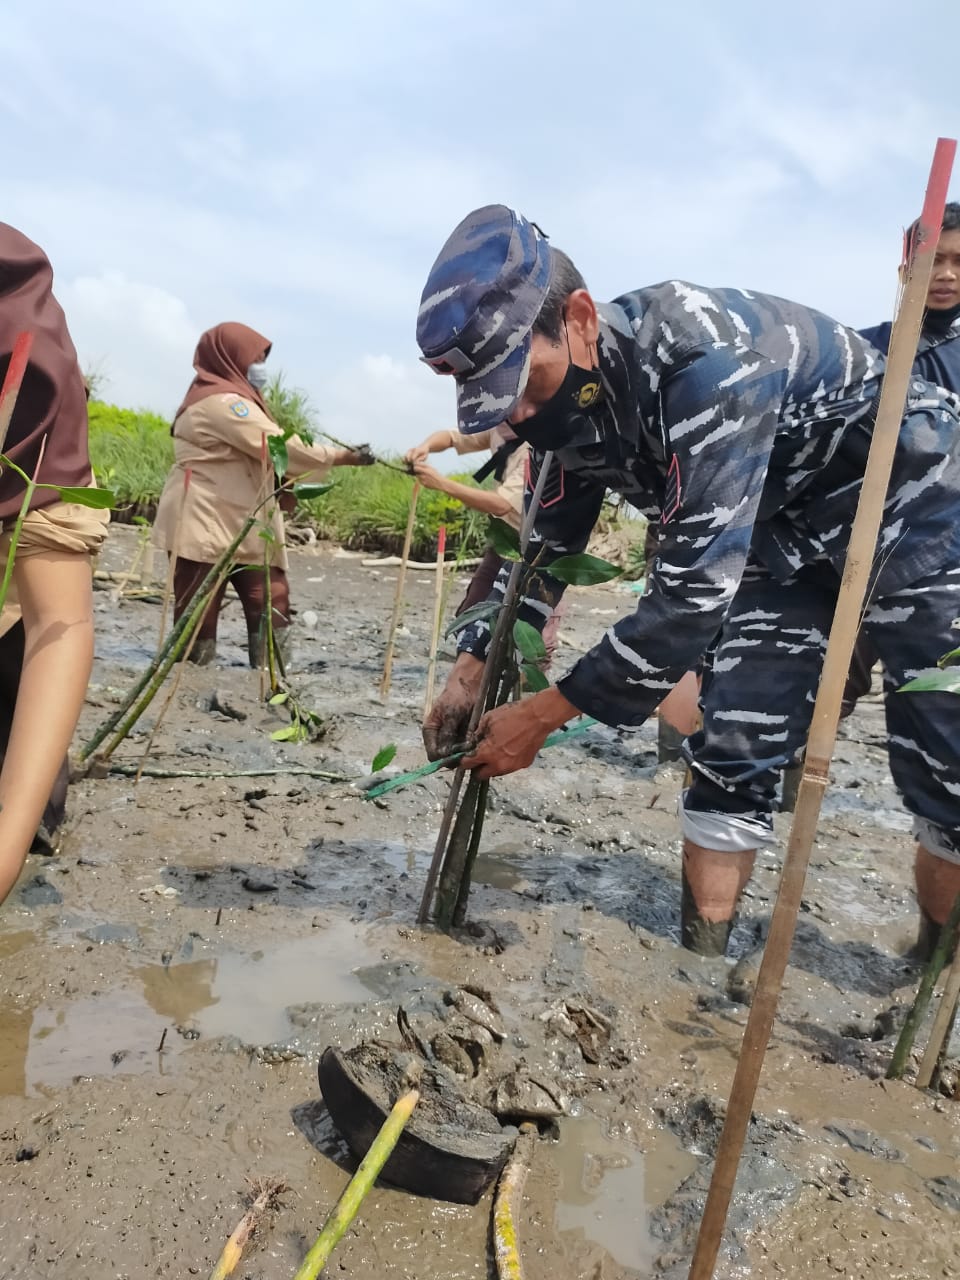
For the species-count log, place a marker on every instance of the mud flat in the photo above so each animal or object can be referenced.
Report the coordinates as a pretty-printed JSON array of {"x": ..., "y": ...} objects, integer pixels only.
[{"x": 246, "y": 923}]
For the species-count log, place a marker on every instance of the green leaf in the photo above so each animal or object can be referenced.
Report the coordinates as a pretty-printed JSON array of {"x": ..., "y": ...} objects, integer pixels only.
[
  {"x": 504, "y": 540},
  {"x": 383, "y": 757},
  {"x": 290, "y": 731},
  {"x": 583, "y": 570},
  {"x": 100, "y": 499},
  {"x": 486, "y": 609},
  {"x": 304, "y": 492},
  {"x": 277, "y": 449},
  {"x": 529, "y": 641},
  {"x": 951, "y": 659},
  {"x": 934, "y": 681},
  {"x": 279, "y": 699},
  {"x": 533, "y": 678}
]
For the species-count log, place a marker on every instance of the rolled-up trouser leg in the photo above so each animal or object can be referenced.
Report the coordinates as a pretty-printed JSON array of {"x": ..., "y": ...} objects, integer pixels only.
[
  {"x": 910, "y": 630},
  {"x": 250, "y": 583},
  {"x": 757, "y": 705}
]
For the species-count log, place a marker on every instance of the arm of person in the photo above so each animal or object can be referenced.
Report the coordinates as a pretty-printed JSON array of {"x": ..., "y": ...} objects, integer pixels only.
[
  {"x": 489, "y": 500},
  {"x": 243, "y": 424},
  {"x": 440, "y": 441},
  {"x": 56, "y": 600}
]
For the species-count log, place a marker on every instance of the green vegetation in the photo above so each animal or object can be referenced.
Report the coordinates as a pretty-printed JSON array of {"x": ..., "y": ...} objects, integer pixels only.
[{"x": 131, "y": 451}]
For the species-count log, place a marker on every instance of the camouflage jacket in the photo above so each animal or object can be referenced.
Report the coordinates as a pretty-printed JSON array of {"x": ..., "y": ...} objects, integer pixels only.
[
  {"x": 741, "y": 422},
  {"x": 938, "y": 353}
]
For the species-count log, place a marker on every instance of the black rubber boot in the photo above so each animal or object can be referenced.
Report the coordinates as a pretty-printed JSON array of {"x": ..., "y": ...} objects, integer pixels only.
[{"x": 705, "y": 937}]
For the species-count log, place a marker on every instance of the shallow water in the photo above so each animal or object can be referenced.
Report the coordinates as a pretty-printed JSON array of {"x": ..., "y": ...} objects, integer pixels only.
[{"x": 228, "y": 993}]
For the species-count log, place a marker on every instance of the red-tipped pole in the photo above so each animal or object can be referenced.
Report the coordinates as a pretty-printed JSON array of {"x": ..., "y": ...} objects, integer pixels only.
[
  {"x": 17, "y": 367},
  {"x": 823, "y": 727}
]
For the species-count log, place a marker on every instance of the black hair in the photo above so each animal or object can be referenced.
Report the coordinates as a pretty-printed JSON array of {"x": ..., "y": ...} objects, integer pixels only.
[
  {"x": 566, "y": 280},
  {"x": 951, "y": 222}
]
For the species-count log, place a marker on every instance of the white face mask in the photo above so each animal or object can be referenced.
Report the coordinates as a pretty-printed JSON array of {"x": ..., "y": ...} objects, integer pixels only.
[{"x": 257, "y": 375}]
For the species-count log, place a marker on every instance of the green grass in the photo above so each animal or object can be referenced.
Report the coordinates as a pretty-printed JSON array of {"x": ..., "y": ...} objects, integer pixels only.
[{"x": 131, "y": 452}]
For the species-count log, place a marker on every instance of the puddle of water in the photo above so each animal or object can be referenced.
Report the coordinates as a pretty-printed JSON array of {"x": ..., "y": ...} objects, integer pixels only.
[
  {"x": 495, "y": 868},
  {"x": 234, "y": 993},
  {"x": 608, "y": 1186}
]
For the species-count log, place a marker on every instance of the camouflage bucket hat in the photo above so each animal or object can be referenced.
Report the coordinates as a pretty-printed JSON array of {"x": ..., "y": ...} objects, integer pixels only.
[{"x": 477, "y": 310}]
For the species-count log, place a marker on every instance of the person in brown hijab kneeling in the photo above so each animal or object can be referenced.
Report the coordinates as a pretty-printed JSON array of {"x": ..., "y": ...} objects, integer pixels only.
[
  {"x": 46, "y": 626},
  {"x": 219, "y": 435}
]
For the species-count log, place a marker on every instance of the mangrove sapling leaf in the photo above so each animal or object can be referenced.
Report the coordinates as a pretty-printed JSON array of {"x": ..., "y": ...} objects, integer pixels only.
[
  {"x": 947, "y": 681},
  {"x": 99, "y": 499},
  {"x": 504, "y": 540},
  {"x": 277, "y": 449},
  {"x": 383, "y": 757},
  {"x": 306, "y": 491},
  {"x": 534, "y": 680},
  {"x": 279, "y": 699},
  {"x": 951, "y": 659},
  {"x": 482, "y": 612},
  {"x": 583, "y": 570},
  {"x": 529, "y": 642},
  {"x": 289, "y": 733}
]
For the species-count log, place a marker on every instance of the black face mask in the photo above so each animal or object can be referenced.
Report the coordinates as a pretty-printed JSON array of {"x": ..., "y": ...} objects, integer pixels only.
[{"x": 566, "y": 413}]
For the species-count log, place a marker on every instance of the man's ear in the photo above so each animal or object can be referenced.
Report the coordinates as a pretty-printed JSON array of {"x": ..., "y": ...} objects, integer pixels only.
[{"x": 581, "y": 316}]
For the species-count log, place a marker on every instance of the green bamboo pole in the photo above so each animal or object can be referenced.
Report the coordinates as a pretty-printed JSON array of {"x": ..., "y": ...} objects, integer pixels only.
[
  {"x": 174, "y": 637},
  {"x": 506, "y": 1250},
  {"x": 347, "y": 1207},
  {"x": 936, "y": 1049},
  {"x": 932, "y": 972}
]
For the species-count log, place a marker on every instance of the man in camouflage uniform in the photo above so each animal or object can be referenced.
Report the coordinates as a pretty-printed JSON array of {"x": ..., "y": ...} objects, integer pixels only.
[{"x": 742, "y": 423}]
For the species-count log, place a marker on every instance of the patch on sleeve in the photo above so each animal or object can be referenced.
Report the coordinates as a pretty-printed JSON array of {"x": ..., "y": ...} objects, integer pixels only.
[
  {"x": 673, "y": 493},
  {"x": 239, "y": 409}
]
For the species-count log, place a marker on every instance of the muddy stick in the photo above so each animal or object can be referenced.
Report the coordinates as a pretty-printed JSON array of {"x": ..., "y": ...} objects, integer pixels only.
[
  {"x": 935, "y": 966},
  {"x": 437, "y": 618},
  {"x": 267, "y": 1194},
  {"x": 461, "y": 837},
  {"x": 942, "y": 1023},
  {"x": 13, "y": 379},
  {"x": 489, "y": 674},
  {"x": 172, "y": 564},
  {"x": 129, "y": 770},
  {"x": 347, "y": 1207},
  {"x": 823, "y": 728},
  {"x": 398, "y": 598},
  {"x": 506, "y": 1250}
]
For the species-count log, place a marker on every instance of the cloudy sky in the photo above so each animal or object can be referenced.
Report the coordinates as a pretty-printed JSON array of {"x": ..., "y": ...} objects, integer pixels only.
[{"x": 297, "y": 165}]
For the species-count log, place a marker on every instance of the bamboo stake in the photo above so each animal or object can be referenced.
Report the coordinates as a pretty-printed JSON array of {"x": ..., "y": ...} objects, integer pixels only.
[
  {"x": 942, "y": 1023},
  {"x": 174, "y": 554},
  {"x": 490, "y": 673},
  {"x": 437, "y": 619},
  {"x": 267, "y": 1194},
  {"x": 509, "y": 1190},
  {"x": 398, "y": 598},
  {"x": 347, "y": 1207},
  {"x": 908, "y": 1032},
  {"x": 13, "y": 379},
  {"x": 130, "y": 770},
  {"x": 823, "y": 728}
]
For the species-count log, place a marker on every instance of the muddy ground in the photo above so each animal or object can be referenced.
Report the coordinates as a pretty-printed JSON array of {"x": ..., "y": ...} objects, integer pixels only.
[{"x": 244, "y": 924}]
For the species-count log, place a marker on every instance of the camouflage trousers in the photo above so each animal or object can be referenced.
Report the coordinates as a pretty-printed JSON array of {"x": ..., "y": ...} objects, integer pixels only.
[{"x": 758, "y": 697}]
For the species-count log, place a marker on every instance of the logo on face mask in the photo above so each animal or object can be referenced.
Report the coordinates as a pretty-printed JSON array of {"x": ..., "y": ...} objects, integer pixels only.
[{"x": 588, "y": 393}]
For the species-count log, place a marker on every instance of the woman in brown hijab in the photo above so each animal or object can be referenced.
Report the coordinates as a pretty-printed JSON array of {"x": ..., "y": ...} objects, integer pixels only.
[
  {"x": 220, "y": 433},
  {"x": 46, "y": 627}
]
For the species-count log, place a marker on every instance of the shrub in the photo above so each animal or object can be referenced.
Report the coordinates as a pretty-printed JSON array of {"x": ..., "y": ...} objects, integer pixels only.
[{"x": 131, "y": 452}]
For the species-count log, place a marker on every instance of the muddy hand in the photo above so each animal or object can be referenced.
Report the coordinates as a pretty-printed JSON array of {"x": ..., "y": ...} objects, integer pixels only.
[
  {"x": 509, "y": 740},
  {"x": 511, "y": 736},
  {"x": 445, "y": 725}
]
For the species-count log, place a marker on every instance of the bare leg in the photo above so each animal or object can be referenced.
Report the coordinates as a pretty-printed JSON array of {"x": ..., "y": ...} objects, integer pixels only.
[
  {"x": 938, "y": 883},
  {"x": 57, "y": 603},
  {"x": 712, "y": 883}
]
